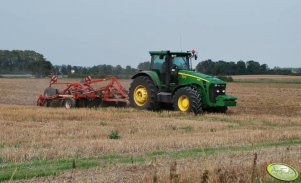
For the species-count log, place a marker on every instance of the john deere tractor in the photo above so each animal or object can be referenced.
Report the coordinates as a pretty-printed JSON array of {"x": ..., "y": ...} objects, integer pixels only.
[{"x": 171, "y": 80}]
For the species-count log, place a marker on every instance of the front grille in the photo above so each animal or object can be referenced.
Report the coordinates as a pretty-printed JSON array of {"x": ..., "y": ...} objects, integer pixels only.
[{"x": 215, "y": 90}]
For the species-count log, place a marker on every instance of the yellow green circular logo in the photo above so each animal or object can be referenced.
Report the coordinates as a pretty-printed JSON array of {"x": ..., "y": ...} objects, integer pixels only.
[{"x": 282, "y": 172}]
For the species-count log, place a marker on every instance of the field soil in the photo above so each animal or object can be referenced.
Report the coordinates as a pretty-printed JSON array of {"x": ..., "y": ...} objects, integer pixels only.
[
  {"x": 39, "y": 144},
  {"x": 265, "y": 77}
]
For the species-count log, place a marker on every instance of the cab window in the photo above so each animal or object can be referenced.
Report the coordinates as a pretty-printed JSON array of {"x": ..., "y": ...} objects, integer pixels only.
[
  {"x": 157, "y": 62},
  {"x": 180, "y": 62}
]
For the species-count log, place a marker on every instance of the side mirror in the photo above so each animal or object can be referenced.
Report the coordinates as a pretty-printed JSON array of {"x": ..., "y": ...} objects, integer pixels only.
[{"x": 194, "y": 54}]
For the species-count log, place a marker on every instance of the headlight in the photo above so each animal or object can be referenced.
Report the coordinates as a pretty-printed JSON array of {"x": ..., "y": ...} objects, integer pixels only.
[
  {"x": 217, "y": 91},
  {"x": 223, "y": 91}
]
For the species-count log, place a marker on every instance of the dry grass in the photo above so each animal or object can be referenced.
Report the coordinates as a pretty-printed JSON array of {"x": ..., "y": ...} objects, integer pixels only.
[
  {"x": 265, "y": 113},
  {"x": 41, "y": 133}
]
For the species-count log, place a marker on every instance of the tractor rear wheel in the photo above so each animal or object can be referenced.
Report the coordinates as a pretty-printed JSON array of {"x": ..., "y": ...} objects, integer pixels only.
[
  {"x": 69, "y": 103},
  {"x": 143, "y": 94},
  {"x": 187, "y": 99}
]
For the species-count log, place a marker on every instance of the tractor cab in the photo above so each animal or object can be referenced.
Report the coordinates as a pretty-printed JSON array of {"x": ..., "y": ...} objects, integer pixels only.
[{"x": 167, "y": 64}]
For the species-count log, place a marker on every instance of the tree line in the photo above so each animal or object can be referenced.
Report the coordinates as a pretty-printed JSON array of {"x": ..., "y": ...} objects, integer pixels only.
[
  {"x": 18, "y": 62},
  {"x": 238, "y": 68},
  {"x": 24, "y": 62},
  {"x": 97, "y": 71},
  {"x": 31, "y": 62}
]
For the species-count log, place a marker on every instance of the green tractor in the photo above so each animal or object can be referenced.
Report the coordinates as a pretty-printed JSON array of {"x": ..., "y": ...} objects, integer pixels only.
[{"x": 171, "y": 80}]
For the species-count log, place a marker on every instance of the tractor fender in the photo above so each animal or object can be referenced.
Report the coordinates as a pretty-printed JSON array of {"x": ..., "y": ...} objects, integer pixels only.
[
  {"x": 199, "y": 88},
  {"x": 151, "y": 74}
]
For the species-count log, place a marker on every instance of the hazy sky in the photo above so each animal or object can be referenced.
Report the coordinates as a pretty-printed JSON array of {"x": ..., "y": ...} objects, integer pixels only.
[{"x": 92, "y": 32}]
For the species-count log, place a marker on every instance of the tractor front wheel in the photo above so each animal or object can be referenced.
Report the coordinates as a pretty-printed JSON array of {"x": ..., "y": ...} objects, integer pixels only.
[
  {"x": 187, "y": 99},
  {"x": 143, "y": 93}
]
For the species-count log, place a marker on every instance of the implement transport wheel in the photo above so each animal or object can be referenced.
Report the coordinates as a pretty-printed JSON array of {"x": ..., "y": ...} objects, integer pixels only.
[
  {"x": 143, "y": 94},
  {"x": 69, "y": 103},
  {"x": 48, "y": 92},
  {"x": 187, "y": 99}
]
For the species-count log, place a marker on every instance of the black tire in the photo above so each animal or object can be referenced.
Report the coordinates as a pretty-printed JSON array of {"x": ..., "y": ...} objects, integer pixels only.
[
  {"x": 192, "y": 98},
  {"x": 97, "y": 102},
  {"x": 48, "y": 92},
  {"x": 69, "y": 103},
  {"x": 55, "y": 103},
  {"x": 81, "y": 102},
  {"x": 150, "y": 102}
]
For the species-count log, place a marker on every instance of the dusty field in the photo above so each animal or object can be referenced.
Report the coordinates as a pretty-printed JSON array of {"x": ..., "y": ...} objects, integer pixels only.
[
  {"x": 265, "y": 77},
  {"x": 267, "y": 121}
]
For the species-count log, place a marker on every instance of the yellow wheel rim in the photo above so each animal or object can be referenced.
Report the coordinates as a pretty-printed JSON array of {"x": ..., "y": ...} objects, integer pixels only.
[
  {"x": 140, "y": 95},
  {"x": 183, "y": 103}
]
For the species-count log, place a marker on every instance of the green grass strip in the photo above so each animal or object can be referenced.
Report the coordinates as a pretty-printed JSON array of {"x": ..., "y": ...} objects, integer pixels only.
[
  {"x": 214, "y": 150},
  {"x": 39, "y": 168}
]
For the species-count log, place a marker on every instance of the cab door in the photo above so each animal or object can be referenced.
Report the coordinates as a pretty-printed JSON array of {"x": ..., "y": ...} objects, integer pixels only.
[{"x": 159, "y": 66}]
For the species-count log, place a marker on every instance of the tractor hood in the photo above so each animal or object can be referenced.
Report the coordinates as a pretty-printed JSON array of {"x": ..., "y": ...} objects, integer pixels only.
[{"x": 200, "y": 76}]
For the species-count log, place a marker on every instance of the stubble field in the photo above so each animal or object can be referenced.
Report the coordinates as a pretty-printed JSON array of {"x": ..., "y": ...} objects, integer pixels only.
[{"x": 54, "y": 144}]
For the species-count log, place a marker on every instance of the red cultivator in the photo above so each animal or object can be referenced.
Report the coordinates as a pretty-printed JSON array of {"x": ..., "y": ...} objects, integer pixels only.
[{"x": 84, "y": 94}]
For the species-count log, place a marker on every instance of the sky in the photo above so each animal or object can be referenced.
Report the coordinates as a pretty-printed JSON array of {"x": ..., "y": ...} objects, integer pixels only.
[{"x": 93, "y": 32}]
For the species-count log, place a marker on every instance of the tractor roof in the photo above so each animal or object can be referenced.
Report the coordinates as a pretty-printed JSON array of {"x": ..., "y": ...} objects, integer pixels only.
[{"x": 167, "y": 52}]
